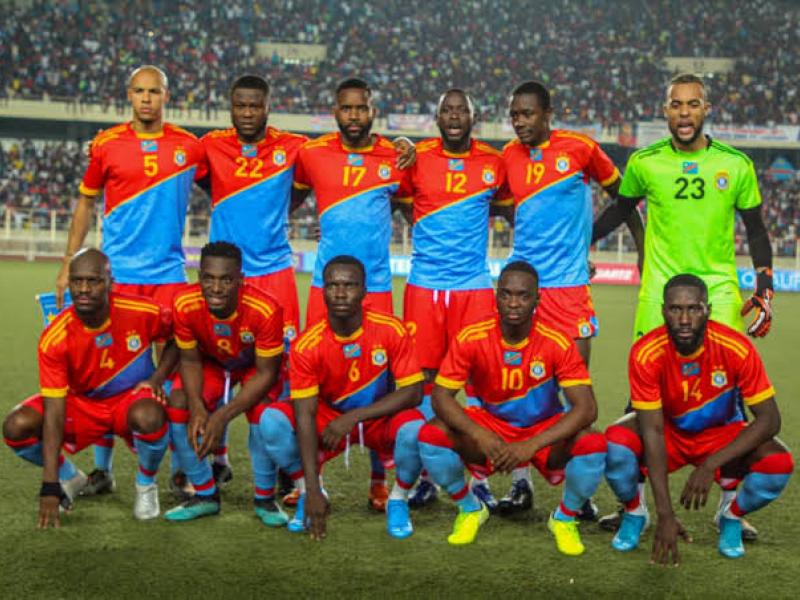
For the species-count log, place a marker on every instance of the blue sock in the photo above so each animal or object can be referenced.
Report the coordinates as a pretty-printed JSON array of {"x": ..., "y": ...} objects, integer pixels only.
[
  {"x": 622, "y": 471},
  {"x": 198, "y": 472},
  {"x": 32, "y": 452},
  {"x": 377, "y": 470},
  {"x": 264, "y": 471},
  {"x": 150, "y": 448},
  {"x": 426, "y": 407},
  {"x": 764, "y": 483},
  {"x": 278, "y": 437},
  {"x": 582, "y": 475},
  {"x": 104, "y": 453},
  {"x": 447, "y": 469},
  {"x": 408, "y": 463}
]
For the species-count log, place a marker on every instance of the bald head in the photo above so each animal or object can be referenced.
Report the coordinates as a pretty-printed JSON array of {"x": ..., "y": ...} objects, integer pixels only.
[
  {"x": 90, "y": 258},
  {"x": 152, "y": 69}
]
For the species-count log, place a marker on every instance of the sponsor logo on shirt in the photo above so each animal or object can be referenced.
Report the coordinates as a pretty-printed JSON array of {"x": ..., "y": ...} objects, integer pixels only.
[
  {"x": 249, "y": 150},
  {"x": 352, "y": 351},
  {"x": 104, "y": 340},
  {"x": 180, "y": 157},
  {"x": 488, "y": 176},
  {"x": 379, "y": 357},
  {"x": 455, "y": 164},
  {"x": 690, "y": 168},
  {"x": 149, "y": 146},
  {"x": 384, "y": 171},
  {"x": 355, "y": 160},
  {"x": 690, "y": 369},
  {"x": 512, "y": 357},
  {"x": 222, "y": 329},
  {"x": 719, "y": 378},
  {"x": 279, "y": 157},
  {"x": 537, "y": 369},
  {"x": 133, "y": 342},
  {"x": 722, "y": 181},
  {"x": 562, "y": 163}
]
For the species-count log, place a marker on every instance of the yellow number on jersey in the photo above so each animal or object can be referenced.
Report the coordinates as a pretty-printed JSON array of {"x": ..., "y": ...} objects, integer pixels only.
[
  {"x": 353, "y": 373},
  {"x": 151, "y": 165},
  {"x": 512, "y": 379},
  {"x": 106, "y": 362},
  {"x": 250, "y": 169},
  {"x": 455, "y": 183},
  {"x": 694, "y": 392},
  {"x": 352, "y": 176},
  {"x": 535, "y": 172}
]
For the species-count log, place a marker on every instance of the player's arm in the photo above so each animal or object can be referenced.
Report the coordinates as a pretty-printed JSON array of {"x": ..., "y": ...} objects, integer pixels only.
[
  {"x": 633, "y": 220},
  {"x": 251, "y": 393},
  {"x": 191, "y": 371},
  {"x": 316, "y": 506},
  {"x": 406, "y": 209},
  {"x": 299, "y": 196},
  {"x": 167, "y": 362},
  {"x": 503, "y": 209},
  {"x": 78, "y": 228},
  {"x": 52, "y": 438},
  {"x": 761, "y": 254}
]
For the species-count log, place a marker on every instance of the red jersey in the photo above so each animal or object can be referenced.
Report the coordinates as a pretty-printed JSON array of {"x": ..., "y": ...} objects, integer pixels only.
[
  {"x": 353, "y": 188},
  {"x": 251, "y": 188},
  {"x": 451, "y": 195},
  {"x": 553, "y": 199},
  {"x": 254, "y": 329},
  {"x": 146, "y": 180},
  {"x": 103, "y": 362},
  {"x": 699, "y": 391},
  {"x": 355, "y": 371},
  {"x": 518, "y": 383}
]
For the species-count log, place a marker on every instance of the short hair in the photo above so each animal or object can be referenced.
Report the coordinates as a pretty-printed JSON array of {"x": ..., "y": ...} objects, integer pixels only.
[
  {"x": 537, "y": 89},
  {"x": 353, "y": 83},
  {"x": 350, "y": 261},
  {"x": 687, "y": 78},
  {"x": 687, "y": 280},
  {"x": 161, "y": 75},
  {"x": 251, "y": 82},
  {"x": 468, "y": 98},
  {"x": 221, "y": 250},
  {"x": 520, "y": 266}
]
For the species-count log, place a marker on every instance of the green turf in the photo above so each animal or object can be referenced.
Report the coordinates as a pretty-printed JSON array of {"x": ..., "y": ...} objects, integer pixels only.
[{"x": 101, "y": 551}]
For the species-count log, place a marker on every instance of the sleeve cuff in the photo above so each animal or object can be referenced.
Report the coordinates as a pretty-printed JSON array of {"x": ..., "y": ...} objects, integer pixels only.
[
  {"x": 87, "y": 191},
  {"x": 614, "y": 176},
  {"x": 573, "y": 382},
  {"x": 404, "y": 200},
  {"x": 410, "y": 380},
  {"x": 648, "y": 405},
  {"x": 300, "y": 186},
  {"x": 269, "y": 352},
  {"x": 308, "y": 392},
  {"x": 760, "y": 397},
  {"x": 185, "y": 344},
  {"x": 503, "y": 202},
  {"x": 54, "y": 392},
  {"x": 449, "y": 383}
]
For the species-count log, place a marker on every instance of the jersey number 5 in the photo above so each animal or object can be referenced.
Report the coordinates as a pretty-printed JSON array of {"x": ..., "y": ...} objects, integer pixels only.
[{"x": 151, "y": 165}]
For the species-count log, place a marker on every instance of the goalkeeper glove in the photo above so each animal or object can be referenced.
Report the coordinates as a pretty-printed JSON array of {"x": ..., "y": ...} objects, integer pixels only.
[{"x": 761, "y": 301}]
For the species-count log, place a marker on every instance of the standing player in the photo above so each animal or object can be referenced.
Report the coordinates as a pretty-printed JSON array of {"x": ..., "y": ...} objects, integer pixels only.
[
  {"x": 354, "y": 379},
  {"x": 96, "y": 375},
  {"x": 451, "y": 186},
  {"x": 686, "y": 379},
  {"x": 517, "y": 366},
  {"x": 228, "y": 332},
  {"x": 144, "y": 170},
  {"x": 549, "y": 173},
  {"x": 694, "y": 187}
]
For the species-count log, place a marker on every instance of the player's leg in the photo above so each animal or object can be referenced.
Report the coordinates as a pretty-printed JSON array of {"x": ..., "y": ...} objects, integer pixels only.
[
  {"x": 101, "y": 479},
  {"x": 221, "y": 465},
  {"x": 264, "y": 473},
  {"x": 401, "y": 434}
]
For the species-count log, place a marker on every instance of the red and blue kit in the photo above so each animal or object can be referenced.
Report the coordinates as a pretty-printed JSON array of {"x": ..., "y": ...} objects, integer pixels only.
[{"x": 146, "y": 181}]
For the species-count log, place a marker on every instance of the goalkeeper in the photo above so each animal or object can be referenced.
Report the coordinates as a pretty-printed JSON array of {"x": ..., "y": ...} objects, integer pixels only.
[{"x": 694, "y": 187}]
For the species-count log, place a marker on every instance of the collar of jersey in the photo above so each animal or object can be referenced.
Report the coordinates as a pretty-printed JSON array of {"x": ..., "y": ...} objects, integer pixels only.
[
  {"x": 694, "y": 354},
  {"x": 449, "y": 154},
  {"x": 517, "y": 346},
  {"x": 690, "y": 154},
  {"x": 147, "y": 136},
  {"x": 228, "y": 319},
  {"x": 363, "y": 150},
  {"x": 105, "y": 325},
  {"x": 350, "y": 337}
]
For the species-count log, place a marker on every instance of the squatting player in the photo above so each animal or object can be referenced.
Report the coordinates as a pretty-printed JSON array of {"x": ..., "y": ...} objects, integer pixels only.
[
  {"x": 517, "y": 366},
  {"x": 228, "y": 332},
  {"x": 686, "y": 379},
  {"x": 354, "y": 380},
  {"x": 144, "y": 171},
  {"x": 96, "y": 375}
]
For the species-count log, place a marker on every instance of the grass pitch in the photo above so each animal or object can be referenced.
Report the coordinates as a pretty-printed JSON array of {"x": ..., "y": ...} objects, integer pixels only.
[{"x": 102, "y": 552}]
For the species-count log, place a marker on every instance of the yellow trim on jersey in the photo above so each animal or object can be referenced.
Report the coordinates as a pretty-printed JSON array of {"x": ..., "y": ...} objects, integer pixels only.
[
  {"x": 732, "y": 344},
  {"x": 364, "y": 150},
  {"x": 308, "y": 392},
  {"x": 54, "y": 341},
  {"x": 639, "y": 405},
  {"x": 517, "y": 346},
  {"x": 548, "y": 186},
  {"x": 137, "y": 306},
  {"x": 258, "y": 305},
  {"x": 405, "y": 200},
  {"x": 360, "y": 388},
  {"x": 309, "y": 336},
  {"x": 54, "y": 392},
  {"x": 565, "y": 133},
  {"x": 409, "y": 380},
  {"x": 479, "y": 327},
  {"x": 611, "y": 179},
  {"x": 188, "y": 298},
  {"x": 320, "y": 141},
  {"x": 455, "y": 154},
  {"x": 645, "y": 350},
  {"x": 120, "y": 370},
  {"x": 150, "y": 187},
  {"x": 484, "y": 147},
  {"x": 57, "y": 327},
  {"x": 760, "y": 397},
  {"x": 387, "y": 320},
  {"x": 247, "y": 187},
  {"x": 300, "y": 186},
  {"x": 427, "y": 145},
  {"x": 573, "y": 382},
  {"x": 350, "y": 337},
  {"x": 459, "y": 201},
  {"x": 87, "y": 191},
  {"x": 270, "y": 352},
  {"x": 553, "y": 335},
  {"x": 359, "y": 193},
  {"x": 654, "y": 352},
  {"x": 449, "y": 383},
  {"x": 185, "y": 344}
]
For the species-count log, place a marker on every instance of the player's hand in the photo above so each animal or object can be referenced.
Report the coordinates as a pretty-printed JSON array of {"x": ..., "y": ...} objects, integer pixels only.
[
  {"x": 335, "y": 430},
  {"x": 214, "y": 430},
  {"x": 592, "y": 270},
  {"x": 493, "y": 447},
  {"x": 408, "y": 152},
  {"x": 62, "y": 281},
  {"x": 513, "y": 455},
  {"x": 154, "y": 386},
  {"x": 665, "y": 541},
  {"x": 761, "y": 302},
  {"x": 197, "y": 427},
  {"x": 695, "y": 492},
  {"x": 317, "y": 509},
  {"x": 48, "y": 512}
]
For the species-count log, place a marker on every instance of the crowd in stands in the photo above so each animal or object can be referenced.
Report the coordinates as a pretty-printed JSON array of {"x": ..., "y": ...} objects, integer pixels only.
[
  {"x": 37, "y": 178},
  {"x": 602, "y": 58}
]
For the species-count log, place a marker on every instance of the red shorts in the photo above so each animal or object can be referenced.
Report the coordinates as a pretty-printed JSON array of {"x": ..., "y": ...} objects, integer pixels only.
[
  {"x": 434, "y": 317},
  {"x": 214, "y": 388},
  {"x": 692, "y": 449},
  {"x": 162, "y": 293},
  {"x": 282, "y": 285},
  {"x": 569, "y": 309},
  {"x": 510, "y": 433},
  {"x": 316, "y": 309},
  {"x": 86, "y": 420},
  {"x": 378, "y": 434}
]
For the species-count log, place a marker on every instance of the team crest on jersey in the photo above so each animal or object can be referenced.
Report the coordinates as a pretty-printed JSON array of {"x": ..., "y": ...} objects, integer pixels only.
[
  {"x": 222, "y": 329},
  {"x": 455, "y": 164},
  {"x": 279, "y": 157},
  {"x": 149, "y": 146},
  {"x": 355, "y": 160},
  {"x": 719, "y": 378},
  {"x": 180, "y": 157},
  {"x": 246, "y": 336},
  {"x": 690, "y": 369},
  {"x": 512, "y": 357},
  {"x": 488, "y": 176},
  {"x": 722, "y": 181},
  {"x": 690, "y": 168},
  {"x": 536, "y": 154},
  {"x": 562, "y": 163},
  {"x": 352, "y": 351},
  {"x": 104, "y": 340},
  {"x": 537, "y": 369},
  {"x": 133, "y": 342},
  {"x": 385, "y": 171},
  {"x": 289, "y": 333},
  {"x": 584, "y": 329},
  {"x": 379, "y": 357},
  {"x": 249, "y": 150}
]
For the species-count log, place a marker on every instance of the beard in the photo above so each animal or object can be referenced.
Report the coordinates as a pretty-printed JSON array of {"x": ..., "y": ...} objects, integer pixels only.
[{"x": 698, "y": 131}]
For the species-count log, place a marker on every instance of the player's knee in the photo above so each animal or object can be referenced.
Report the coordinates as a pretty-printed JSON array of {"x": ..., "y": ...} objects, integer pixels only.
[
  {"x": 177, "y": 399},
  {"x": 619, "y": 436},
  {"x": 435, "y": 433},
  {"x": 274, "y": 426},
  {"x": 588, "y": 442},
  {"x": 22, "y": 423},
  {"x": 146, "y": 416}
]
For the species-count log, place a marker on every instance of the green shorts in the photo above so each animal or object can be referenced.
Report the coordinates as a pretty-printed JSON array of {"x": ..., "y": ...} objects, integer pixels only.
[{"x": 648, "y": 316}]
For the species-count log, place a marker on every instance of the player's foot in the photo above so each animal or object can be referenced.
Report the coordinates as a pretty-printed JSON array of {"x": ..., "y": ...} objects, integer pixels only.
[
  {"x": 485, "y": 495},
  {"x": 630, "y": 531},
  {"x": 611, "y": 521},
  {"x": 99, "y": 482},
  {"x": 398, "y": 521},
  {"x": 180, "y": 487},
  {"x": 518, "y": 498},
  {"x": 72, "y": 488},
  {"x": 466, "y": 526},
  {"x": 297, "y": 524},
  {"x": 271, "y": 513},
  {"x": 588, "y": 511},
  {"x": 568, "y": 540},
  {"x": 378, "y": 496},
  {"x": 291, "y": 498},
  {"x": 730, "y": 537},
  {"x": 285, "y": 486},
  {"x": 749, "y": 532},
  {"x": 145, "y": 504},
  {"x": 222, "y": 473},
  {"x": 194, "y": 508},
  {"x": 423, "y": 494}
]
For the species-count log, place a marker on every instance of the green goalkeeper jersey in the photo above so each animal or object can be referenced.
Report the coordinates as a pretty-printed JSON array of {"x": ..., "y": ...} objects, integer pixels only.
[{"x": 692, "y": 200}]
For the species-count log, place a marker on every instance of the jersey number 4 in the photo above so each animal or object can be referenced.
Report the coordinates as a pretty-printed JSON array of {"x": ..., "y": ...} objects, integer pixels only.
[{"x": 694, "y": 188}]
